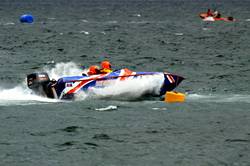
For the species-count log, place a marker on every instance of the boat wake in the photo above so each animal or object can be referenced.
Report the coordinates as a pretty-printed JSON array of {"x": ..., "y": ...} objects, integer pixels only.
[
  {"x": 20, "y": 95},
  {"x": 217, "y": 98}
]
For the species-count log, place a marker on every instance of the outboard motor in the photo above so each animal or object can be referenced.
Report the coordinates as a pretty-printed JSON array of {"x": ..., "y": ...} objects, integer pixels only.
[{"x": 40, "y": 84}]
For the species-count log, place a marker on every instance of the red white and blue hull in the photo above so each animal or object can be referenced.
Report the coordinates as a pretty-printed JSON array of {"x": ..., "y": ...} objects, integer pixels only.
[{"x": 67, "y": 87}]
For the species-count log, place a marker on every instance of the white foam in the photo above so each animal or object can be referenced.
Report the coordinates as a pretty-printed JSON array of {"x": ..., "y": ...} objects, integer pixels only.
[
  {"x": 205, "y": 29},
  {"x": 20, "y": 96},
  {"x": 108, "y": 108},
  {"x": 81, "y": 96},
  {"x": 217, "y": 98},
  {"x": 178, "y": 34},
  {"x": 51, "y": 18},
  {"x": 130, "y": 89},
  {"x": 9, "y": 23},
  {"x": 112, "y": 22},
  {"x": 84, "y": 20},
  {"x": 64, "y": 69},
  {"x": 157, "y": 108},
  {"x": 85, "y": 32},
  {"x": 138, "y": 15}
]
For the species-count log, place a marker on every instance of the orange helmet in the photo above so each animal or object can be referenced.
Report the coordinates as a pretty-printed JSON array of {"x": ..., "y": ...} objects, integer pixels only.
[
  {"x": 106, "y": 65},
  {"x": 93, "y": 70}
]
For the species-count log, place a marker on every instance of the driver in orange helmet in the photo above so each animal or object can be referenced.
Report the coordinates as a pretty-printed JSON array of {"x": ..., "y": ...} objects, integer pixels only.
[
  {"x": 105, "y": 67},
  {"x": 93, "y": 70}
]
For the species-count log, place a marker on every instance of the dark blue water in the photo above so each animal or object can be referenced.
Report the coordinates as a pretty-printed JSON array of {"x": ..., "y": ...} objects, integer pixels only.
[{"x": 210, "y": 128}]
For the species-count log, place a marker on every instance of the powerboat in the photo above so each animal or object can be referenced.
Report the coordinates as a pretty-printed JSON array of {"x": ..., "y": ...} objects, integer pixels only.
[{"x": 68, "y": 87}]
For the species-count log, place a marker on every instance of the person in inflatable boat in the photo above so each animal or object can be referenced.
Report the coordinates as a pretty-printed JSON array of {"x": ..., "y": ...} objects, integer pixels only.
[
  {"x": 216, "y": 14},
  {"x": 209, "y": 12}
]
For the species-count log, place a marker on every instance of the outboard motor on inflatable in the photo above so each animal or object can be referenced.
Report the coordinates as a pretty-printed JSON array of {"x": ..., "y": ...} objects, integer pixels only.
[{"x": 40, "y": 84}]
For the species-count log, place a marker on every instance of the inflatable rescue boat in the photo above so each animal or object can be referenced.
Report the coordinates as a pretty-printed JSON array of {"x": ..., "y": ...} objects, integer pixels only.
[{"x": 206, "y": 17}]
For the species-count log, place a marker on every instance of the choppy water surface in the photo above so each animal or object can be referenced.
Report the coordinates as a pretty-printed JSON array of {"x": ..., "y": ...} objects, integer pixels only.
[{"x": 210, "y": 128}]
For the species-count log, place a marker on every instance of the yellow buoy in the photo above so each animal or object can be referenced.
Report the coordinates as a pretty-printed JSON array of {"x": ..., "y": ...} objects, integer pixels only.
[{"x": 171, "y": 97}]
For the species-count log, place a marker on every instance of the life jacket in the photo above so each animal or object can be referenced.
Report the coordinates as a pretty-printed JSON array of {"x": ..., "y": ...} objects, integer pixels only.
[{"x": 104, "y": 71}]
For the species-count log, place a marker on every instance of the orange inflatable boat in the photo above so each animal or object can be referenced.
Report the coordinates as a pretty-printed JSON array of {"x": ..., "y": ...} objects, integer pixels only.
[{"x": 206, "y": 17}]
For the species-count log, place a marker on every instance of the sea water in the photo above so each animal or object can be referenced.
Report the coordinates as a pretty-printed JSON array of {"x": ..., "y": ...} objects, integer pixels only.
[{"x": 210, "y": 128}]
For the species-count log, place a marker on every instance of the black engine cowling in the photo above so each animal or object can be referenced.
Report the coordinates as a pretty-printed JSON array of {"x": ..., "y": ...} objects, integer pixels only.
[{"x": 40, "y": 84}]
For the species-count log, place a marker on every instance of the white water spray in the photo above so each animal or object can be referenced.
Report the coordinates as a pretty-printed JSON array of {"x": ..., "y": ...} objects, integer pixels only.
[
  {"x": 64, "y": 69},
  {"x": 216, "y": 98},
  {"x": 22, "y": 95},
  {"x": 130, "y": 89},
  {"x": 126, "y": 90}
]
